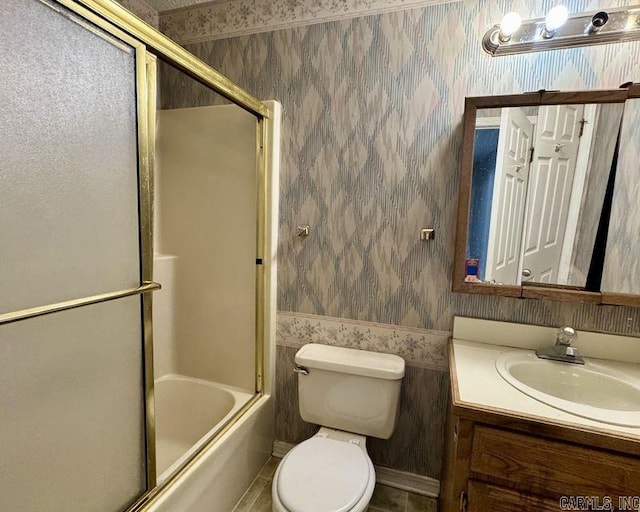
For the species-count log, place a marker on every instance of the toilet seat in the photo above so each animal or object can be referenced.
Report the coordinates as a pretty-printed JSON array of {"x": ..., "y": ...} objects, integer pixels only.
[{"x": 324, "y": 475}]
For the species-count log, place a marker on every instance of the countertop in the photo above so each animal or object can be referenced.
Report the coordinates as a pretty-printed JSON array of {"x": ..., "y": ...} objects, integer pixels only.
[{"x": 476, "y": 384}]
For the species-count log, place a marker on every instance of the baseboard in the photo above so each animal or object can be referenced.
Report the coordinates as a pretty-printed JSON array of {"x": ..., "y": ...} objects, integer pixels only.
[
  {"x": 386, "y": 476},
  {"x": 408, "y": 481},
  {"x": 280, "y": 448}
]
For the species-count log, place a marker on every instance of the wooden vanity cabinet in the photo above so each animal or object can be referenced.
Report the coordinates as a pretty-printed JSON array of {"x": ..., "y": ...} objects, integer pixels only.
[{"x": 498, "y": 464}]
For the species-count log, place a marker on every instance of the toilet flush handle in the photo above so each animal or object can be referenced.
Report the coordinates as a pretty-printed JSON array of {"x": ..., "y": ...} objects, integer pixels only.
[{"x": 300, "y": 369}]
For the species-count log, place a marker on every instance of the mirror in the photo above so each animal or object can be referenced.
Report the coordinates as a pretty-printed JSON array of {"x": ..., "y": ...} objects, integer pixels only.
[
  {"x": 537, "y": 194},
  {"x": 538, "y": 185}
]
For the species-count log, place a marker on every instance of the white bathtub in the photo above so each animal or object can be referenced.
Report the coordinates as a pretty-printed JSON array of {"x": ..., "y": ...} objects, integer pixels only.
[
  {"x": 223, "y": 471},
  {"x": 188, "y": 410}
]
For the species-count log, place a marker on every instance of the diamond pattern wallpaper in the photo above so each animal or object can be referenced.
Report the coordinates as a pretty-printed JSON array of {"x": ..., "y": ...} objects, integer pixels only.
[
  {"x": 622, "y": 263},
  {"x": 371, "y": 141}
]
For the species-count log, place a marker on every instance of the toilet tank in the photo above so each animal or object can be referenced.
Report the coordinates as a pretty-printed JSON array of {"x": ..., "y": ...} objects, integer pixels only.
[{"x": 347, "y": 389}]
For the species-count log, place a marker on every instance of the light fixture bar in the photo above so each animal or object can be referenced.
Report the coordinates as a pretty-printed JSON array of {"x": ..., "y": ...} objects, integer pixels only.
[{"x": 622, "y": 24}]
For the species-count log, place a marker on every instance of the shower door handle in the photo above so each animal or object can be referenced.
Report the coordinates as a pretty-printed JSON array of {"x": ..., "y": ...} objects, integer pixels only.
[{"x": 14, "y": 316}]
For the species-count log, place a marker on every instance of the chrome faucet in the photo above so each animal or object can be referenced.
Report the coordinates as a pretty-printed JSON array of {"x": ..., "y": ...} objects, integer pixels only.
[{"x": 562, "y": 350}]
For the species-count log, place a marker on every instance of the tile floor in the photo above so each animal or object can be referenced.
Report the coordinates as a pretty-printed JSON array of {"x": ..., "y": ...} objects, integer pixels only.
[{"x": 385, "y": 499}]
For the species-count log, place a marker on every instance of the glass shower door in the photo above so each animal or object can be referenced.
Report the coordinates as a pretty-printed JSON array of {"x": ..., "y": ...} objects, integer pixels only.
[
  {"x": 207, "y": 257},
  {"x": 74, "y": 233}
]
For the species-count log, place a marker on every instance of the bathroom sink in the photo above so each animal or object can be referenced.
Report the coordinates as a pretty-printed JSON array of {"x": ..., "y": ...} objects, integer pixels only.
[{"x": 592, "y": 390}]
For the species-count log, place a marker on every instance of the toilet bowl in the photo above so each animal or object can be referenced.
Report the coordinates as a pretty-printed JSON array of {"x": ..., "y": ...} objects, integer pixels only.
[
  {"x": 350, "y": 394},
  {"x": 329, "y": 472}
]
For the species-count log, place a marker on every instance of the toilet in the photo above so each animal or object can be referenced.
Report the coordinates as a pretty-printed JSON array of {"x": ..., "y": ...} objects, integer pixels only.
[{"x": 351, "y": 394}]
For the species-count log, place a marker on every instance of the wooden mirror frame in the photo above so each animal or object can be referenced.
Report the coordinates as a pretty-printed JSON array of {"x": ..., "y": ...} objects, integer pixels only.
[{"x": 530, "y": 291}]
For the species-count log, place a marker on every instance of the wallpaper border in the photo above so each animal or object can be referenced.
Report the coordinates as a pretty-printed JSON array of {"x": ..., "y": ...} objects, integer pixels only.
[
  {"x": 422, "y": 348},
  {"x": 143, "y": 10},
  {"x": 231, "y": 18}
]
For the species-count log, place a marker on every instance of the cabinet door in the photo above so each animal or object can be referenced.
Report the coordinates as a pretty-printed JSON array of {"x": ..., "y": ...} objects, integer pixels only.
[
  {"x": 484, "y": 497},
  {"x": 551, "y": 468},
  {"x": 456, "y": 463}
]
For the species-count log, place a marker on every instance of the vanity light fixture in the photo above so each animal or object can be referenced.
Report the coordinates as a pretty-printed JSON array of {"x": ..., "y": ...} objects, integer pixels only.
[{"x": 559, "y": 29}]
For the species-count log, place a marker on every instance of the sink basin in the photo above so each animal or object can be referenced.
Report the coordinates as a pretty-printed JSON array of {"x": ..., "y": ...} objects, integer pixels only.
[{"x": 592, "y": 391}]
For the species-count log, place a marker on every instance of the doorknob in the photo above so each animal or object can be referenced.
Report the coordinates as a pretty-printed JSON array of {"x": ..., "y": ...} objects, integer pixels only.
[
  {"x": 526, "y": 273},
  {"x": 559, "y": 147}
]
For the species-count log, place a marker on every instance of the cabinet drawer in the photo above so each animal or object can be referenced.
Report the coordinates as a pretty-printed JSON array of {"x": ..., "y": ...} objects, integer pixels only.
[
  {"x": 484, "y": 497},
  {"x": 551, "y": 468}
]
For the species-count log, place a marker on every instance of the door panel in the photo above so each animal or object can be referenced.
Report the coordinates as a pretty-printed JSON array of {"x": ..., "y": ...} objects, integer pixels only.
[
  {"x": 71, "y": 402},
  {"x": 510, "y": 186},
  {"x": 72, "y": 394},
  {"x": 554, "y": 163},
  {"x": 68, "y": 172}
]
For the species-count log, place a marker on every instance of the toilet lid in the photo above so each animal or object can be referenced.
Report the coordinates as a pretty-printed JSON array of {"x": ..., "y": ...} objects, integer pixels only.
[{"x": 323, "y": 475}]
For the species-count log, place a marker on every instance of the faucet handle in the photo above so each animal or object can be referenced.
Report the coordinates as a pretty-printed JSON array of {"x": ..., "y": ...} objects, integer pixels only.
[{"x": 566, "y": 336}]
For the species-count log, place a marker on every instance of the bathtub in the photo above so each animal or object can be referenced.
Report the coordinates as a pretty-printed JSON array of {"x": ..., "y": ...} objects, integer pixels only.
[
  {"x": 188, "y": 412},
  {"x": 219, "y": 475}
]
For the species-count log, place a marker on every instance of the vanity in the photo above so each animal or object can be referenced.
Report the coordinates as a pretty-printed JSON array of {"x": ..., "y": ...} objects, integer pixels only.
[
  {"x": 508, "y": 450},
  {"x": 547, "y": 209}
]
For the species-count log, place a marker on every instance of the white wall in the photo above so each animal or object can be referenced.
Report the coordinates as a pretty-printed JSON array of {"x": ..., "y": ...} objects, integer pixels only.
[
  {"x": 164, "y": 313},
  {"x": 206, "y": 217}
]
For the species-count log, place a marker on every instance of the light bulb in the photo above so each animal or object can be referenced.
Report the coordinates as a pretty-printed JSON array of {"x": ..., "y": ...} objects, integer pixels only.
[
  {"x": 508, "y": 26},
  {"x": 556, "y": 17}
]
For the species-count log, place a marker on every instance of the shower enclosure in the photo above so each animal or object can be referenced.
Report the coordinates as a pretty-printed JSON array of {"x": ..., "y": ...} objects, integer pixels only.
[
  {"x": 206, "y": 213},
  {"x": 109, "y": 401}
]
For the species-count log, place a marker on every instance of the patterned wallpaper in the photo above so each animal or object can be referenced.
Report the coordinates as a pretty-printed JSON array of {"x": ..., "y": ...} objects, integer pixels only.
[
  {"x": 622, "y": 262},
  {"x": 371, "y": 141},
  {"x": 601, "y": 158}
]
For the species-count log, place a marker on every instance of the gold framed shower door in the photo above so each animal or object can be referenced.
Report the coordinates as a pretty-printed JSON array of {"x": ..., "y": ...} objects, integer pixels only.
[{"x": 149, "y": 44}]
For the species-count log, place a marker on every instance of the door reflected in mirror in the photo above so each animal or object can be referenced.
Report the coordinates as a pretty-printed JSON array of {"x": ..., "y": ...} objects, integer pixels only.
[{"x": 539, "y": 183}]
